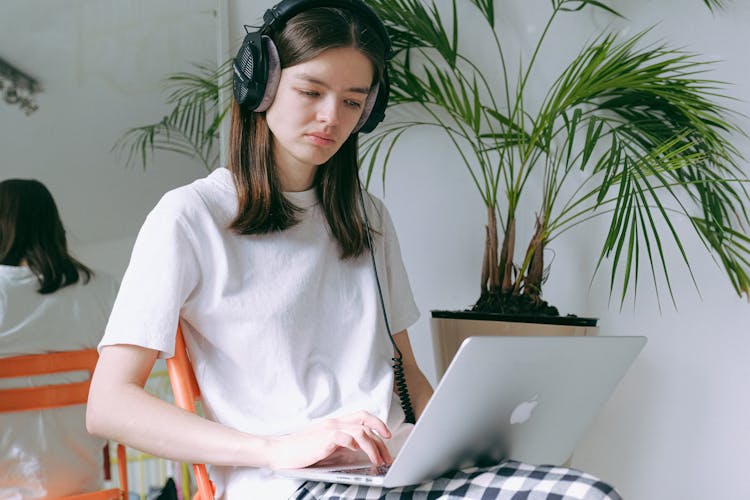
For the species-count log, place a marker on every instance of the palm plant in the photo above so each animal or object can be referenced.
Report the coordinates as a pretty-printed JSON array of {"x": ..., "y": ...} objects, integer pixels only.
[
  {"x": 192, "y": 126},
  {"x": 626, "y": 132}
]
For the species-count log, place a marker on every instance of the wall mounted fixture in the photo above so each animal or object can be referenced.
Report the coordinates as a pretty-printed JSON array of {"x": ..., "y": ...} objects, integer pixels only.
[{"x": 18, "y": 88}]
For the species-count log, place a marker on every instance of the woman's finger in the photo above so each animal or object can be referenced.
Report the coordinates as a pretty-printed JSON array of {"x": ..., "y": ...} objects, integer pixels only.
[
  {"x": 384, "y": 451},
  {"x": 372, "y": 445},
  {"x": 368, "y": 420},
  {"x": 377, "y": 425}
]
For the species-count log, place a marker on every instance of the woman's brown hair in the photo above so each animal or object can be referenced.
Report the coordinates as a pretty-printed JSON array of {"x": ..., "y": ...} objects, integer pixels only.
[
  {"x": 262, "y": 206},
  {"x": 31, "y": 231}
]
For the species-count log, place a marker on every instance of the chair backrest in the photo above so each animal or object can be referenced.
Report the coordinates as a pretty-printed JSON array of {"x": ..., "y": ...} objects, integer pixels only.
[
  {"x": 186, "y": 394},
  {"x": 46, "y": 396},
  {"x": 56, "y": 395}
]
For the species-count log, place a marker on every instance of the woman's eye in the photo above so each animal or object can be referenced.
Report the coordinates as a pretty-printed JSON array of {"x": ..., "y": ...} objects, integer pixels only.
[
  {"x": 309, "y": 93},
  {"x": 353, "y": 104}
]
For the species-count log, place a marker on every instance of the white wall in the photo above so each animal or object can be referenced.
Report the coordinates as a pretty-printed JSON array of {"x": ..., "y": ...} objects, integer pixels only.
[
  {"x": 101, "y": 64},
  {"x": 679, "y": 424}
]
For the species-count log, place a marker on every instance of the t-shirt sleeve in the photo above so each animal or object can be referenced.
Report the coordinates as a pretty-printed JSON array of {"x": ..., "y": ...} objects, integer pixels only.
[
  {"x": 162, "y": 272},
  {"x": 403, "y": 311}
]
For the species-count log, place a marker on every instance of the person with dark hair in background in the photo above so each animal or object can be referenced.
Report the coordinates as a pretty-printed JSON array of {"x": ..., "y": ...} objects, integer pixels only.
[
  {"x": 266, "y": 265},
  {"x": 49, "y": 302}
]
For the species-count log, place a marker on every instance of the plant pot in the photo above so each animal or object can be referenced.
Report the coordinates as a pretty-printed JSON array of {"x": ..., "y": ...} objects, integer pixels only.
[{"x": 451, "y": 328}]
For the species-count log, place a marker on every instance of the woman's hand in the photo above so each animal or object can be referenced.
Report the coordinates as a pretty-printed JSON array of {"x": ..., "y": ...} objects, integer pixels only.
[{"x": 330, "y": 438}]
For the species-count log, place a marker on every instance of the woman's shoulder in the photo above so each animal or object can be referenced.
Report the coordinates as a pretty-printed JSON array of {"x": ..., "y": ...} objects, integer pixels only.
[
  {"x": 377, "y": 212},
  {"x": 214, "y": 193},
  {"x": 374, "y": 200}
]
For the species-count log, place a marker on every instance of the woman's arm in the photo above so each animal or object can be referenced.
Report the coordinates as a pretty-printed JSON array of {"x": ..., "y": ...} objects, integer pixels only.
[
  {"x": 420, "y": 390},
  {"x": 120, "y": 409}
]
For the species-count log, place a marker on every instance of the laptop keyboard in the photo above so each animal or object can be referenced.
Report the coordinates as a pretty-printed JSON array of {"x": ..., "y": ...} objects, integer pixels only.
[{"x": 373, "y": 470}]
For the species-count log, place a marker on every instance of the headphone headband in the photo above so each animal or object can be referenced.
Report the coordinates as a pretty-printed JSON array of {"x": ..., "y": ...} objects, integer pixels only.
[
  {"x": 257, "y": 67},
  {"x": 276, "y": 17}
]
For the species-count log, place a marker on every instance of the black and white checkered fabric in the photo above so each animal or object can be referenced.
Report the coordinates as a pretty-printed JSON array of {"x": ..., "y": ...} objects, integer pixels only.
[{"x": 508, "y": 480}]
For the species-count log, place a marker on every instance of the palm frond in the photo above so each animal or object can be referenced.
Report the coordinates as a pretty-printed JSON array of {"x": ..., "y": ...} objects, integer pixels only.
[
  {"x": 715, "y": 4},
  {"x": 192, "y": 126}
]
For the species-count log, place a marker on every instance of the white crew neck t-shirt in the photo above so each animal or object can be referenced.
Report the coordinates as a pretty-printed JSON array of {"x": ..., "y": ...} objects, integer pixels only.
[
  {"x": 49, "y": 453},
  {"x": 280, "y": 329}
]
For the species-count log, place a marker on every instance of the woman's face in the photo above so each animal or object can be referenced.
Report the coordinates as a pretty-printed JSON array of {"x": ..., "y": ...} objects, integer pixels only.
[{"x": 317, "y": 105}]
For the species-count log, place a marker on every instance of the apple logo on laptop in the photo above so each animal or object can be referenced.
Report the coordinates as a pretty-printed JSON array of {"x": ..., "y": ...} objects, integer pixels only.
[{"x": 522, "y": 412}]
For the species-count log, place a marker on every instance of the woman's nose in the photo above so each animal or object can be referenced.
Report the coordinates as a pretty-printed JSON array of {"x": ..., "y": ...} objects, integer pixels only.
[{"x": 329, "y": 111}]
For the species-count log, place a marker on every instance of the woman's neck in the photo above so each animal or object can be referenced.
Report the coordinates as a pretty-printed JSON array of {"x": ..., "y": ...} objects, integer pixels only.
[
  {"x": 297, "y": 181},
  {"x": 294, "y": 175}
]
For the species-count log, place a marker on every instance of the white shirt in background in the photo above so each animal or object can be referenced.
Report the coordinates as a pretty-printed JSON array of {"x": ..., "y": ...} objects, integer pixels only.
[{"x": 49, "y": 453}]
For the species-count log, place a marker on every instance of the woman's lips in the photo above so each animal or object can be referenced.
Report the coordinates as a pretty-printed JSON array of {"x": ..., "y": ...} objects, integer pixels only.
[{"x": 321, "y": 139}]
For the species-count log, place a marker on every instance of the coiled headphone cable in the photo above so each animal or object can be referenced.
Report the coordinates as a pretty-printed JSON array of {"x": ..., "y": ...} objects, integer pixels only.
[{"x": 398, "y": 364}]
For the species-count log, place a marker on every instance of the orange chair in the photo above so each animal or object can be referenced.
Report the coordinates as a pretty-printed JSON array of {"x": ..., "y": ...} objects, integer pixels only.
[
  {"x": 186, "y": 393},
  {"x": 45, "y": 397}
]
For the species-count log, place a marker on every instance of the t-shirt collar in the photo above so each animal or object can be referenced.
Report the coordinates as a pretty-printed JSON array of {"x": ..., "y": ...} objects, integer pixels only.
[{"x": 303, "y": 199}]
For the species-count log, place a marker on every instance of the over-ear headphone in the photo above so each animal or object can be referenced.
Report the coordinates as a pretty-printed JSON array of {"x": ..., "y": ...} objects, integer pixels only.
[{"x": 257, "y": 67}]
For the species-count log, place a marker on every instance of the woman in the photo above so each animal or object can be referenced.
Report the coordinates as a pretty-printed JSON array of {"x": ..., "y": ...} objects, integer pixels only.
[
  {"x": 266, "y": 264},
  {"x": 48, "y": 302}
]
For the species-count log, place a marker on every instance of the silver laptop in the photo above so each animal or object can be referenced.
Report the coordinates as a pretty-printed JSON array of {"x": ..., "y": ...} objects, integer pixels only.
[{"x": 522, "y": 398}]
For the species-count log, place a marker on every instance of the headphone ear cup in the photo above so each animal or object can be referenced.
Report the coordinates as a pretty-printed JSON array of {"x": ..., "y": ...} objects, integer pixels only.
[
  {"x": 369, "y": 121},
  {"x": 367, "y": 108},
  {"x": 273, "y": 74},
  {"x": 256, "y": 72},
  {"x": 249, "y": 68}
]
